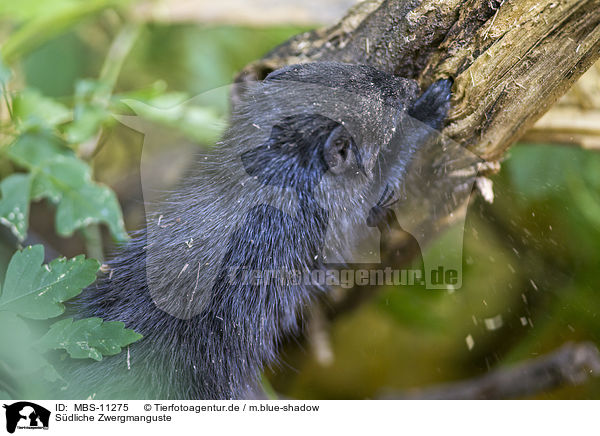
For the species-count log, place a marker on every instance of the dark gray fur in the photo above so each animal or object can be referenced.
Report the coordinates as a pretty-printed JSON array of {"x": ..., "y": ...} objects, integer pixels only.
[{"x": 264, "y": 199}]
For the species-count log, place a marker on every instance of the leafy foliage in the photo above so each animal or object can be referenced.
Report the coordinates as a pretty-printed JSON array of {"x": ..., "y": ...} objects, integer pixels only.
[
  {"x": 88, "y": 338},
  {"x": 35, "y": 291},
  {"x": 14, "y": 206},
  {"x": 20, "y": 361},
  {"x": 172, "y": 111},
  {"x": 54, "y": 172},
  {"x": 47, "y": 146},
  {"x": 66, "y": 181}
]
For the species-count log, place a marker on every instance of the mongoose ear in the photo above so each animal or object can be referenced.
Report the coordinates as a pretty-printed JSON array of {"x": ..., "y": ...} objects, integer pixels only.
[{"x": 340, "y": 152}]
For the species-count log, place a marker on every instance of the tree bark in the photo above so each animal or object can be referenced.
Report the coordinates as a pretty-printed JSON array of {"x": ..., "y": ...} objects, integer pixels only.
[{"x": 510, "y": 60}]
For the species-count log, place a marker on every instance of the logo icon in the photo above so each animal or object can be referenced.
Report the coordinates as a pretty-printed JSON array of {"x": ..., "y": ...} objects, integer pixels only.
[{"x": 26, "y": 415}]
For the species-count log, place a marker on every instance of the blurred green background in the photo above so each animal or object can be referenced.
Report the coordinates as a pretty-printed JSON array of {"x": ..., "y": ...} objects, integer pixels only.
[{"x": 531, "y": 258}]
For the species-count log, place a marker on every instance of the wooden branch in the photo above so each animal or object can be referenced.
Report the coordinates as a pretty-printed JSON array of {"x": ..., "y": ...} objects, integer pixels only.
[
  {"x": 572, "y": 364},
  {"x": 510, "y": 59}
]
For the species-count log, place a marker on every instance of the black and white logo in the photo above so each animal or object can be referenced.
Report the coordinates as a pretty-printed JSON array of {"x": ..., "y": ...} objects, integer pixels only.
[{"x": 26, "y": 415}]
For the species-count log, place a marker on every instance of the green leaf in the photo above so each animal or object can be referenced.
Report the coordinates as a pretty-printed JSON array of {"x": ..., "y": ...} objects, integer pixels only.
[
  {"x": 81, "y": 202},
  {"x": 34, "y": 149},
  {"x": 19, "y": 358},
  {"x": 88, "y": 338},
  {"x": 37, "y": 292},
  {"x": 32, "y": 108},
  {"x": 14, "y": 204},
  {"x": 199, "y": 123},
  {"x": 90, "y": 114},
  {"x": 61, "y": 177},
  {"x": 88, "y": 120}
]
